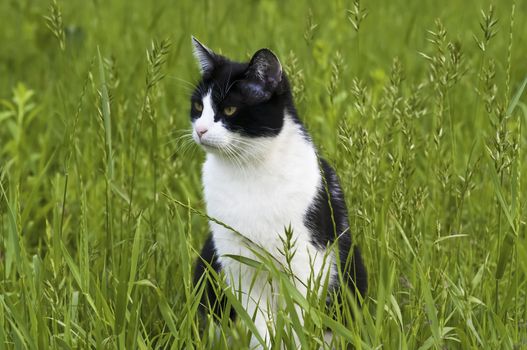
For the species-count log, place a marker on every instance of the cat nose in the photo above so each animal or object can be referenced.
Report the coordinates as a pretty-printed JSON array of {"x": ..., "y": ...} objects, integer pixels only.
[{"x": 200, "y": 130}]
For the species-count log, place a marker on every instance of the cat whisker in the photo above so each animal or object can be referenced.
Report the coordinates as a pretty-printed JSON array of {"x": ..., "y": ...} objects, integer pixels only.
[
  {"x": 234, "y": 157},
  {"x": 185, "y": 145},
  {"x": 181, "y": 139},
  {"x": 178, "y": 131},
  {"x": 247, "y": 157},
  {"x": 178, "y": 135},
  {"x": 188, "y": 86},
  {"x": 170, "y": 76},
  {"x": 248, "y": 150}
]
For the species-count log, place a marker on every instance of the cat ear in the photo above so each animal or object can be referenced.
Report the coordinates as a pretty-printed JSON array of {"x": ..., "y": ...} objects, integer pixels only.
[
  {"x": 206, "y": 57},
  {"x": 263, "y": 76}
]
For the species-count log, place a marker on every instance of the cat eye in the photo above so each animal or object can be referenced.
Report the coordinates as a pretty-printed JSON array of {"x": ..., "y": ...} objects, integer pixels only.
[
  {"x": 228, "y": 111},
  {"x": 198, "y": 106}
]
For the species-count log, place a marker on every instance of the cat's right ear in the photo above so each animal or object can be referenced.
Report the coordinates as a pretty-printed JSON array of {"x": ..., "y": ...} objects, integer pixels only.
[
  {"x": 263, "y": 77},
  {"x": 206, "y": 57}
]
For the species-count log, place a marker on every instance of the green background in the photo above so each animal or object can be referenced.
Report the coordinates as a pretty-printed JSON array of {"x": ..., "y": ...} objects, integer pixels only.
[{"x": 97, "y": 176}]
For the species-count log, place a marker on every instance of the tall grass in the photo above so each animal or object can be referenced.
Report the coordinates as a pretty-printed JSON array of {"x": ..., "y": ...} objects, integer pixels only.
[{"x": 420, "y": 107}]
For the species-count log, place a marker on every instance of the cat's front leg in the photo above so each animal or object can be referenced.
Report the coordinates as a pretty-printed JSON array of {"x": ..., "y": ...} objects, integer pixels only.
[
  {"x": 255, "y": 292},
  {"x": 262, "y": 328},
  {"x": 260, "y": 307}
]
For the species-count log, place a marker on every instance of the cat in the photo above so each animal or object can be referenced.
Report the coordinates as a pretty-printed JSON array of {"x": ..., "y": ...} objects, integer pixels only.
[{"x": 262, "y": 173}]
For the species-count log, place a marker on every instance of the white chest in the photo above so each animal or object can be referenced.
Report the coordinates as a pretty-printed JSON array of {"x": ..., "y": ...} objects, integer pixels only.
[{"x": 261, "y": 201}]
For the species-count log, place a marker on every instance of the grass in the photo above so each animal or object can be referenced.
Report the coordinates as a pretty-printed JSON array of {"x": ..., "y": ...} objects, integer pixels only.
[{"x": 419, "y": 106}]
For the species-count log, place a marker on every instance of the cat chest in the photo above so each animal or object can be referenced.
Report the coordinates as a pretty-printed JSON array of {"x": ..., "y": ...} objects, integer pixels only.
[
  {"x": 260, "y": 207},
  {"x": 257, "y": 207}
]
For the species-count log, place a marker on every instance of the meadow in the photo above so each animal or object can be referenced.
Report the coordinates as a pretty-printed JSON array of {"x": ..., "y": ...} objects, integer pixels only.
[{"x": 419, "y": 105}]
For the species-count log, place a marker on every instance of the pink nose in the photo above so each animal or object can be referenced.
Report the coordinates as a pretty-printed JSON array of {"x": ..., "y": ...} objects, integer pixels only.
[{"x": 201, "y": 130}]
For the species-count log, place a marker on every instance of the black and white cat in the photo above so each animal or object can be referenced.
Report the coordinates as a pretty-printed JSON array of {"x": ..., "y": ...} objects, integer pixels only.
[{"x": 262, "y": 174}]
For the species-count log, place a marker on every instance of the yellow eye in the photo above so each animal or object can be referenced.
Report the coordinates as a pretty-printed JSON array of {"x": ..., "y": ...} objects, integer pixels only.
[
  {"x": 229, "y": 111},
  {"x": 198, "y": 106}
]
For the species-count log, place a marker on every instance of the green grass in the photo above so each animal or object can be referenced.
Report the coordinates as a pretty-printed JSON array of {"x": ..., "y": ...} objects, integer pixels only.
[{"x": 419, "y": 105}]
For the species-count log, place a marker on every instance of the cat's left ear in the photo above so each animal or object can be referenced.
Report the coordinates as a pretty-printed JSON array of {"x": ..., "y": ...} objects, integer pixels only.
[
  {"x": 263, "y": 76},
  {"x": 206, "y": 57}
]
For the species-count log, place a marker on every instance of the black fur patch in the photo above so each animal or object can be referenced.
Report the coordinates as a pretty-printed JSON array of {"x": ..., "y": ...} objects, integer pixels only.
[{"x": 328, "y": 223}]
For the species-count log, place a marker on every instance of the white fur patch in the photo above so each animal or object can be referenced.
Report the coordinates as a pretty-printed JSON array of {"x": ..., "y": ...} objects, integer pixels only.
[
  {"x": 271, "y": 187},
  {"x": 216, "y": 136},
  {"x": 207, "y": 115}
]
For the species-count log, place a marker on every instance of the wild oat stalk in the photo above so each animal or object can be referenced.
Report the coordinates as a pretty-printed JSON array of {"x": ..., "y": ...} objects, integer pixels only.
[
  {"x": 489, "y": 29},
  {"x": 488, "y": 26},
  {"x": 156, "y": 57},
  {"x": 110, "y": 64},
  {"x": 356, "y": 15},
  {"x": 54, "y": 23},
  {"x": 509, "y": 55},
  {"x": 288, "y": 249},
  {"x": 336, "y": 70},
  {"x": 503, "y": 149},
  {"x": 311, "y": 28},
  {"x": 445, "y": 70},
  {"x": 361, "y": 99},
  {"x": 392, "y": 98},
  {"x": 296, "y": 76}
]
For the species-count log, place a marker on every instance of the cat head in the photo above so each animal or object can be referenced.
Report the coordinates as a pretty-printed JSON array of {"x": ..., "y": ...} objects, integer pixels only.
[{"x": 237, "y": 105}]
